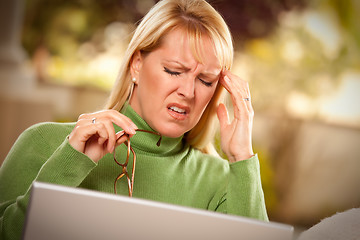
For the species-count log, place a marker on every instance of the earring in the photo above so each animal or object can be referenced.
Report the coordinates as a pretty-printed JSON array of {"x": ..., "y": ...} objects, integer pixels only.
[{"x": 132, "y": 87}]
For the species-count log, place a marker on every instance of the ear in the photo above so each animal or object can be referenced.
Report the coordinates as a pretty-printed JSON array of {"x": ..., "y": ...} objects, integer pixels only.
[{"x": 135, "y": 65}]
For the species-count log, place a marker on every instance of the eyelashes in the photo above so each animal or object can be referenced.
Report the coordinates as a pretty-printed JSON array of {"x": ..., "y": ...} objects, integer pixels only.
[
  {"x": 208, "y": 84},
  {"x": 176, "y": 74},
  {"x": 172, "y": 73}
]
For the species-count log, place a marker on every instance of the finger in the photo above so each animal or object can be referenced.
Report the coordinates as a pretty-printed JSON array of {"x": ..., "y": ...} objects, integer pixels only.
[
  {"x": 101, "y": 131},
  {"x": 111, "y": 141},
  {"x": 83, "y": 132},
  {"x": 249, "y": 107},
  {"x": 243, "y": 108},
  {"x": 112, "y": 115},
  {"x": 239, "y": 90},
  {"x": 122, "y": 121},
  {"x": 247, "y": 99},
  {"x": 120, "y": 134},
  {"x": 223, "y": 115},
  {"x": 121, "y": 140},
  {"x": 225, "y": 82},
  {"x": 233, "y": 82},
  {"x": 234, "y": 93}
]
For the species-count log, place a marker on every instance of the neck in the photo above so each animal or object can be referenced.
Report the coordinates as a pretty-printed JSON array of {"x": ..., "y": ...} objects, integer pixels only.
[{"x": 147, "y": 140}]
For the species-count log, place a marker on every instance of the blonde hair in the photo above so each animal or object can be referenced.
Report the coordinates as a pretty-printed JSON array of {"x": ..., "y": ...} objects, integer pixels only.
[{"x": 197, "y": 18}]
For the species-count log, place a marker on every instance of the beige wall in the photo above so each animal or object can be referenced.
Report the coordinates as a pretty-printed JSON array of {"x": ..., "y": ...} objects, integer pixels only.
[
  {"x": 316, "y": 167},
  {"x": 49, "y": 103}
]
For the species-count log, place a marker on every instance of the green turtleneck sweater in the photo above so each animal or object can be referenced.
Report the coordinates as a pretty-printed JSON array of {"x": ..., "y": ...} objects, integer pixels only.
[{"x": 172, "y": 172}]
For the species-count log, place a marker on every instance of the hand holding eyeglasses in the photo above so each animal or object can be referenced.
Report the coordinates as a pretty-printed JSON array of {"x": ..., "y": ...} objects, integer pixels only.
[
  {"x": 236, "y": 135},
  {"x": 94, "y": 133}
]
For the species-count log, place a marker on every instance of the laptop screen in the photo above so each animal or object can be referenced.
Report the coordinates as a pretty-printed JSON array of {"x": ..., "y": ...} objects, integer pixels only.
[{"x": 58, "y": 212}]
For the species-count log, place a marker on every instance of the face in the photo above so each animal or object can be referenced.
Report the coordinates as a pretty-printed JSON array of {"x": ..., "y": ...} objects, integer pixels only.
[{"x": 172, "y": 88}]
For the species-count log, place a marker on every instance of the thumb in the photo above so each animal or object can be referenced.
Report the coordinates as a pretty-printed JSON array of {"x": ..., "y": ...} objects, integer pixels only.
[{"x": 223, "y": 115}]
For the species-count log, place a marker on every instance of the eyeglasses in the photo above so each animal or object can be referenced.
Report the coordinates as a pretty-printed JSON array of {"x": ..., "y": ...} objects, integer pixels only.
[{"x": 124, "y": 165}]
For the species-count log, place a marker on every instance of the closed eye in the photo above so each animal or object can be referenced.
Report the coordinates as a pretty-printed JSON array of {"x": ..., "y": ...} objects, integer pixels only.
[
  {"x": 207, "y": 84},
  {"x": 172, "y": 73}
]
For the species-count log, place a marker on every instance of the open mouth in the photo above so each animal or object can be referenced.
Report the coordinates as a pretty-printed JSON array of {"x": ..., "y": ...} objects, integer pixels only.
[{"x": 177, "y": 110}]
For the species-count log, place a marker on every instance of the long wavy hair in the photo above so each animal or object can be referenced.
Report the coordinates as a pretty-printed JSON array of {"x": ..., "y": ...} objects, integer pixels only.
[{"x": 197, "y": 18}]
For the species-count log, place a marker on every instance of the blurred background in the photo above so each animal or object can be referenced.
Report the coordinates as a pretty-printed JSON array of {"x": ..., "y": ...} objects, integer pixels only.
[{"x": 59, "y": 58}]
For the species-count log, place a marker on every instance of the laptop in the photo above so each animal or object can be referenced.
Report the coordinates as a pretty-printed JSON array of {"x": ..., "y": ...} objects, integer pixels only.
[{"x": 59, "y": 212}]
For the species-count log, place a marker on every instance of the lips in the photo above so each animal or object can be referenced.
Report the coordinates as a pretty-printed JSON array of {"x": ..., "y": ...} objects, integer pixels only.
[{"x": 178, "y": 111}]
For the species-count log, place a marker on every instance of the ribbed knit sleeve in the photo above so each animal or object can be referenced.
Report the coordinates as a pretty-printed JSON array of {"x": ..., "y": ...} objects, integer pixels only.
[
  {"x": 35, "y": 157},
  {"x": 243, "y": 194}
]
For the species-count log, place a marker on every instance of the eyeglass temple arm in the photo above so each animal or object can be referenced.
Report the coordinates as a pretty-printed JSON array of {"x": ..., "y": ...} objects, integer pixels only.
[
  {"x": 155, "y": 133},
  {"x": 147, "y": 131},
  {"x": 124, "y": 166}
]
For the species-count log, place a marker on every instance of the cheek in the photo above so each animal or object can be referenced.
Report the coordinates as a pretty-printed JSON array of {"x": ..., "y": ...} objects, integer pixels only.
[
  {"x": 156, "y": 84},
  {"x": 147, "y": 79},
  {"x": 149, "y": 84},
  {"x": 205, "y": 94}
]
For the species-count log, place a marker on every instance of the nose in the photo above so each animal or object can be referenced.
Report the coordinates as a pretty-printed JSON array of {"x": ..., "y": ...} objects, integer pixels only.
[{"x": 186, "y": 88}]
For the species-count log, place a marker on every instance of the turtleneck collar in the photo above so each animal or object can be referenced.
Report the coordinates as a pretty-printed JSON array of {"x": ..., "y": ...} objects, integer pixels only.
[{"x": 146, "y": 142}]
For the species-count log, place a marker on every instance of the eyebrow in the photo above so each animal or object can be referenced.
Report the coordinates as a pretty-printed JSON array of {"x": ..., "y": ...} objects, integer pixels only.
[
  {"x": 185, "y": 68},
  {"x": 210, "y": 76},
  {"x": 179, "y": 63}
]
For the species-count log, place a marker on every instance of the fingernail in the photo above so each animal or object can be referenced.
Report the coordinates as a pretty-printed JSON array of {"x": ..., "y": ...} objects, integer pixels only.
[
  {"x": 121, "y": 132},
  {"x": 132, "y": 131}
]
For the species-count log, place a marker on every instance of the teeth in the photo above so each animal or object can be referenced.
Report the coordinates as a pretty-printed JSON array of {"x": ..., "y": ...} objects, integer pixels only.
[{"x": 176, "y": 109}]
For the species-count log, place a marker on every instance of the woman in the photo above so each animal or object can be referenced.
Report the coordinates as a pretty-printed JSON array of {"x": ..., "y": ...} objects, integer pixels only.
[{"x": 170, "y": 84}]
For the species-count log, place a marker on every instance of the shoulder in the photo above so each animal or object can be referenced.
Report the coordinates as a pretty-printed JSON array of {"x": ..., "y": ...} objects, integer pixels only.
[
  {"x": 48, "y": 130},
  {"x": 210, "y": 161},
  {"x": 209, "y": 171},
  {"x": 45, "y": 127}
]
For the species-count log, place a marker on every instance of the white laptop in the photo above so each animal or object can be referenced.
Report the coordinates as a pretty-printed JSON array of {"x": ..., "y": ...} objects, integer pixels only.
[{"x": 58, "y": 212}]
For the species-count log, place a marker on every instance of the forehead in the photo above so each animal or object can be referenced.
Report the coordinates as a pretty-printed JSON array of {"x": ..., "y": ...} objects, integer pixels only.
[{"x": 179, "y": 46}]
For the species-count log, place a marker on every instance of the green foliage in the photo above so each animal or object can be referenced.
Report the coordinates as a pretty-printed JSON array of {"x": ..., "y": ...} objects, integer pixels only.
[{"x": 307, "y": 54}]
